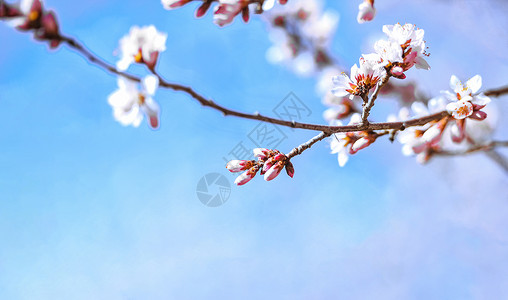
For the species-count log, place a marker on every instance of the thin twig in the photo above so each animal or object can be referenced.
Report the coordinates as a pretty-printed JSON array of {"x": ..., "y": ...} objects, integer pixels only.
[
  {"x": 370, "y": 103},
  {"x": 497, "y": 92},
  {"x": 498, "y": 159},
  {"x": 476, "y": 148},
  {"x": 298, "y": 150}
]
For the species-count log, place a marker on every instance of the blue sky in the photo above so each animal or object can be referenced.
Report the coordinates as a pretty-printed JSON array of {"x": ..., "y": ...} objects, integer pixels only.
[{"x": 93, "y": 210}]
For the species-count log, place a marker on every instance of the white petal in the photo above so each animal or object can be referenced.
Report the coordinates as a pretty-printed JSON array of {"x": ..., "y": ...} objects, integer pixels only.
[
  {"x": 455, "y": 84},
  {"x": 356, "y": 118},
  {"x": 343, "y": 158},
  {"x": 150, "y": 84},
  {"x": 268, "y": 4},
  {"x": 474, "y": 84},
  {"x": 421, "y": 63}
]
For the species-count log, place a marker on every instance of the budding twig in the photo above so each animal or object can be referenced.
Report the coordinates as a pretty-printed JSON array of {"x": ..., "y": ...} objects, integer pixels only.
[{"x": 298, "y": 150}]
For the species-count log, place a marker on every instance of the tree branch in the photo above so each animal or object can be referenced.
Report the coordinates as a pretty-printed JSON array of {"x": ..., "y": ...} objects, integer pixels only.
[
  {"x": 497, "y": 92},
  {"x": 71, "y": 42}
]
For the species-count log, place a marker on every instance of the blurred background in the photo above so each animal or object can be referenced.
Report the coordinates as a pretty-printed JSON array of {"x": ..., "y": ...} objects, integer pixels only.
[{"x": 90, "y": 209}]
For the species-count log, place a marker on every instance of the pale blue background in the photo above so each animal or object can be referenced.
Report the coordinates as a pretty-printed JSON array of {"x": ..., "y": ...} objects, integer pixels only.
[{"x": 93, "y": 210}]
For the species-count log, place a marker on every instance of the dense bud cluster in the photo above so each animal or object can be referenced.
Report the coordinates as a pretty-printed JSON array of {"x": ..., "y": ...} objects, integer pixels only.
[{"x": 269, "y": 162}]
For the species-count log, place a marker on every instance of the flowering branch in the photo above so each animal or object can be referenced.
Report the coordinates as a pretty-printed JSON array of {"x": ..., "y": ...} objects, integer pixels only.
[
  {"x": 229, "y": 112},
  {"x": 404, "y": 49},
  {"x": 400, "y": 125}
]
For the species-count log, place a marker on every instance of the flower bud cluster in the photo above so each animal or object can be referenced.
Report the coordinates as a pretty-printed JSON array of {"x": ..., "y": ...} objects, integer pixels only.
[
  {"x": 269, "y": 162},
  {"x": 226, "y": 10},
  {"x": 30, "y": 15}
]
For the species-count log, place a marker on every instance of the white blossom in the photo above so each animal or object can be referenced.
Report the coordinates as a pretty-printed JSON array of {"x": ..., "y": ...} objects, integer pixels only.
[
  {"x": 141, "y": 45},
  {"x": 130, "y": 103},
  {"x": 404, "y": 49},
  {"x": 466, "y": 101},
  {"x": 345, "y": 143},
  {"x": 361, "y": 80}
]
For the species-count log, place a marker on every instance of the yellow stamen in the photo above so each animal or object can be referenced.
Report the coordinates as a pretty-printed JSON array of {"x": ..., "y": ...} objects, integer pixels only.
[
  {"x": 138, "y": 57},
  {"x": 33, "y": 15},
  {"x": 141, "y": 99}
]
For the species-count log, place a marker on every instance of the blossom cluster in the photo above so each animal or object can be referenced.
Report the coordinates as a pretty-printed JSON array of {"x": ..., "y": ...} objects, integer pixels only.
[
  {"x": 403, "y": 49},
  {"x": 30, "y": 15},
  {"x": 301, "y": 33},
  {"x": 451, "y": 132},
  {"x": 226, "y": 10},
  {"x": 269, "y": 162},
  {"x": 347, "y": 143},
  {"x": 133, "y": 101}
]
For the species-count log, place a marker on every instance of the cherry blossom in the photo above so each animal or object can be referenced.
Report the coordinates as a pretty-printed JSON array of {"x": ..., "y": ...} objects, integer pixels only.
[
  {"x": 467, "y": 102},
  {"x": 32, "y": 16},
  {"x": 404, "y": 49},
  {"x": 130, "y": 103},
  {"x": 366, "y": 11},
  {"x": 346, "y": 143},
  {"x": 423, "y": 141},
  {"x": 141, "y": 45},
  {"x": 361, "y": 80}
]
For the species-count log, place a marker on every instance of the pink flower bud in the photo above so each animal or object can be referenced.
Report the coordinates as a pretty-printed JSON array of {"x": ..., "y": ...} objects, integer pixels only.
[
  {"x": 366, "y": 11},
  {"x": 7, "y": 11},
  {"x": 458, "y": 132},
  {"x": 261, "y": 153},
  {"x": 239, "y": 165},
  {"x": 290, "y": 170},
  {"x": 171, "y": 4},
  {"x": 434, "y": 133},
  {"x": 362, "y": 143},
  {"x": 397, "y": 71},
  {"x": 246, "y": 176},
  {"x": 478, "y": 115},
  {"x": 274, "y": 171},
  {"x": 245, "y": 14},
  {"x": 153, "y": 60},
  {"x": 271, "y": 161},
  {"x": 201, "y": 11},
  {"x": 279, "y": 21}
]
